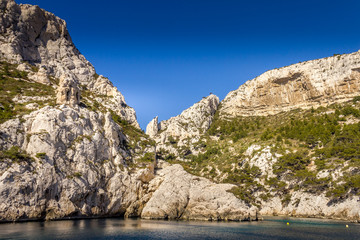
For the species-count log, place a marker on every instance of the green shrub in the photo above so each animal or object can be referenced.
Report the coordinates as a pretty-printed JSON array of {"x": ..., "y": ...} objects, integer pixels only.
[
  {"x": 148, "y": 157},
  {"x": 274, "y": 182},
  {"x": 243, "y": 194},
  {"x": 286, "y": 199},
  {"x": 268, "y": 134},
  {"x": 210, "y": 153},
  {"x": 15, "y": 154},
  {"x": 356, "y": 99},
  {"x": 170, "y": 157},
  {"x": 41, "y": 155},
  {"x": 292, "y": 161},
  {"x": 78, "y": 174},
  {"x": 350, "y": 110},
  {"x": 172, "y": 140}
]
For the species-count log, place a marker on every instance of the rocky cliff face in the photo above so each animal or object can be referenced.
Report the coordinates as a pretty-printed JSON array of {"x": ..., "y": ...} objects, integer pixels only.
[
  {"x": 186, "y": 128},
  {"x": 29, "y": 34},
  {"x": 303, "y": 85},
  {"x": 70, "y": 146}
]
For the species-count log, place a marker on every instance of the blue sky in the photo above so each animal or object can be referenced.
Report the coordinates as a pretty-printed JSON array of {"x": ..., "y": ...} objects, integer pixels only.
[{"x": 165, "y": 55}]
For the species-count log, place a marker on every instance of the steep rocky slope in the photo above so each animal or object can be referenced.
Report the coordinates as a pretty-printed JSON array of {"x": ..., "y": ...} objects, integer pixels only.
[
  {"x": 34, "y": 38},
  {"x": 303, "y": 85},
  {"x": 70, "y": 146}
]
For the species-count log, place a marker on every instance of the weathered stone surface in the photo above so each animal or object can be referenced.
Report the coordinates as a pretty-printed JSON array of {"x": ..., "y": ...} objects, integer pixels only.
[
  {"x": 182, "y": 195},
  {"x": 40, "y": 76},
  {"x": 67, "y": 92},
  {"x": 83, "y": 154},
  {"x": 304, "y": 204},
  {"x": 303, "y": 85}
]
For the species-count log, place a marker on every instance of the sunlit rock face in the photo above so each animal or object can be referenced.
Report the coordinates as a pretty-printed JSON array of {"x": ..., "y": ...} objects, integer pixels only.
[
  {"x": 68, "y": 92},
  {"x": 185, "y": 196},
  {"x": 29, "y": 34},
  {"x": 186, "y": 128},
  {"x": 303, "y": 85},
  {"x": 153, "y": 127}
]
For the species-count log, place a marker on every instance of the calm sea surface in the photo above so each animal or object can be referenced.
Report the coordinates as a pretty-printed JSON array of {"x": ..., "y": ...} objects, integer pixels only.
[{"x": 270, "y": 228}]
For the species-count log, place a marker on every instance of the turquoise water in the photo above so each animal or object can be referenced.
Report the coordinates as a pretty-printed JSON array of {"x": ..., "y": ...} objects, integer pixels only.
[{"x": 115, "y": 228}]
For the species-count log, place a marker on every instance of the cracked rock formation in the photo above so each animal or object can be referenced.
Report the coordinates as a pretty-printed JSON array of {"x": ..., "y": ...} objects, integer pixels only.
[{"x": 184, "y": 196}]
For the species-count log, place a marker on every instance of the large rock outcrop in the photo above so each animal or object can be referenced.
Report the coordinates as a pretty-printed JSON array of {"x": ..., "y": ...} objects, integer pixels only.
[
  {"x": 303, "y": 85},
  {"x": 184, "y": 196},
  {"x": 32, "y": 35},
  {"x": 153, "y": 127},
  {"x": 68, "y": 92}
]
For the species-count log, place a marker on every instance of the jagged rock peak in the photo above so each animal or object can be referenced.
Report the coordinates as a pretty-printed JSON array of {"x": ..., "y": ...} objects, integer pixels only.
[
  {"x": 153, "y": 127},
  {"x": 303, "y": 85},
  {"x": 191, "y": 123}
]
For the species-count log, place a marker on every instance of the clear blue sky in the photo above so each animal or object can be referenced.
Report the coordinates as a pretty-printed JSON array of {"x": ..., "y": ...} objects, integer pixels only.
[{"x": 165, "y": 55}]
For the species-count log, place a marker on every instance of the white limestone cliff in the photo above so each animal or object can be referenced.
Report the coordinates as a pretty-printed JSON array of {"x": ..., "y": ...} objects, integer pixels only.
[
  {"x": 302, "y": 85},
  {"x": 153, "y": 127},
  {"x": 184, "y": 196},
  {"x": 32, "y": 35}
]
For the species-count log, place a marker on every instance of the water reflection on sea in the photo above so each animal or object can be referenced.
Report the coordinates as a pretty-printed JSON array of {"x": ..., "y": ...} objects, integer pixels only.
[{"x": 117, "y": 228}]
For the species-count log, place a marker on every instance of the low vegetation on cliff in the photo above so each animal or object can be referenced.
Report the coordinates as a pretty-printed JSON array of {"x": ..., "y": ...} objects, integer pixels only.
[
  {"x": 316, "y": 151},
  {"x": 16, "y": 86}
]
